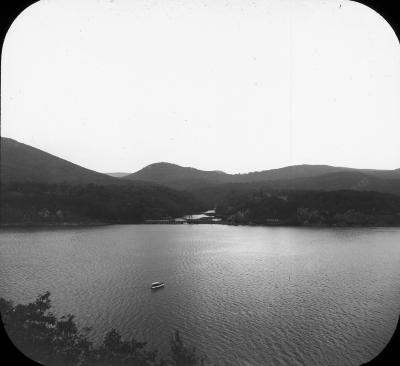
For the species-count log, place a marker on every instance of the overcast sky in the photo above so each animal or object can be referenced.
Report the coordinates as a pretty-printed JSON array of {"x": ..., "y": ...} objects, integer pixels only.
[{"x": 237, "y": 86}]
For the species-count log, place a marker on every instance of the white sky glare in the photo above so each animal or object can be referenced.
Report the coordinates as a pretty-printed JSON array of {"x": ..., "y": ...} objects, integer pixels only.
[{"x": 237, "y": 86}]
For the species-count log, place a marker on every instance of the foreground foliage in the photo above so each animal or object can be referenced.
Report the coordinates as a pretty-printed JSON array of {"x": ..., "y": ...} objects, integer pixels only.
[{"x": 49, "y": 340}]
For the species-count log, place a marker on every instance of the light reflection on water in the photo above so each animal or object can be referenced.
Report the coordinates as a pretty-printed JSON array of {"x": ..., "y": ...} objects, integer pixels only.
[{"x": 242, "y": 295}]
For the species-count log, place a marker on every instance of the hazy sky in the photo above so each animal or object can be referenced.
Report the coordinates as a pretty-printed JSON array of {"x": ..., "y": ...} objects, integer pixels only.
[{"x": 231, "y": 85}]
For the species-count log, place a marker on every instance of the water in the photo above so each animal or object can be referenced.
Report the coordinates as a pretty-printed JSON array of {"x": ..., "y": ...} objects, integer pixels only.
[{"x": 242, "y": 295}]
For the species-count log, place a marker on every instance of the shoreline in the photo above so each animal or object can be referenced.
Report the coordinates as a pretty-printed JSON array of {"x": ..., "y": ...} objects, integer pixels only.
[
  {"x": 65, "y": 224},
  {"x": 96, "y": 224}
]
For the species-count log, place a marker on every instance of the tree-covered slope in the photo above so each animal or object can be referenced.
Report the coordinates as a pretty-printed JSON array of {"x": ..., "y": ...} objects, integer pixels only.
[{"x": 24, "y": 163}]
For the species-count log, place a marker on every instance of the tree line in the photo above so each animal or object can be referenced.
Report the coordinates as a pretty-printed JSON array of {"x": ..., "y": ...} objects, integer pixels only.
[
  {"x": 332, "y": 208},
  {"x": 31, "y": 202},
  {"x": 51, "y": 340},
  {"x": 43, "y": 203}
]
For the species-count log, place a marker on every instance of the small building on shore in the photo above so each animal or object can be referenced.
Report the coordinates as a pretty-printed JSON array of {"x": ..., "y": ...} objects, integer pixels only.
[
  {"x": 180, "y": 220},
  {"x": 207, "y": 217}
]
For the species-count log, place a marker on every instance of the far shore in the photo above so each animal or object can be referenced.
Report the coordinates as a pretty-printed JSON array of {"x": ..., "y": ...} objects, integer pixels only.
[
  {"x": 91, "y": 224},
  {"x": 58, "y": 224}
]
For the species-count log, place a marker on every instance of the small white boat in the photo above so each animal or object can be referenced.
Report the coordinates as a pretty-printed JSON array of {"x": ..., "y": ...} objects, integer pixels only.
[{"x": 156, "y": 285}]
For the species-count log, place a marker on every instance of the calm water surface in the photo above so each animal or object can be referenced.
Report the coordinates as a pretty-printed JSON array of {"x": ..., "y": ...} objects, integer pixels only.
[{"x": 243, "y": 295}]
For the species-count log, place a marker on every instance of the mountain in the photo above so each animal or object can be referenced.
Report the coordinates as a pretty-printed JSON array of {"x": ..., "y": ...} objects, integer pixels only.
[
  {"x": 356, "y": 180},
  {"x": 40, "y": 188},
  {"x": 24, "y": 163},
  {"x": 315, "y": 177},
  {"x": 389, "y": 174},
  {"x": 289, "y": 172},
  {"x": 178, "y": 177}
]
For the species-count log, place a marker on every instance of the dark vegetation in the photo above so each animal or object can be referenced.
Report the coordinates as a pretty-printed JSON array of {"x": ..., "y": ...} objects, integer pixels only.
[
  {"x": 335, "y": 208},
  {"x": 49, "y": 340},
  {"x": 43, "y": 203},
  {"x": 38, "y": 188}
]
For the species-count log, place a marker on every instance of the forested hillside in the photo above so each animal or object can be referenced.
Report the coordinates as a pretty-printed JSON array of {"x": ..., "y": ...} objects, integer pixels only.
[
  {"x": 43, "y": 203},
  {"x": 336, "y": 208}
]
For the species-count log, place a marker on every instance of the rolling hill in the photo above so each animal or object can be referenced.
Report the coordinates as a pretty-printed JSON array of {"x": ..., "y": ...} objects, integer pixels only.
[
  {"x": 39, "y": 188},
  {"x": 178, "y": 177},
  {"x": 314, "y": 177},
  {"x": 24, "y": 163}
]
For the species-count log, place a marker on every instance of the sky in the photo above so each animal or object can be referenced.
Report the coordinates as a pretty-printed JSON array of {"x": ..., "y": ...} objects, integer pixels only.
[{"x": 235, "y": 85}]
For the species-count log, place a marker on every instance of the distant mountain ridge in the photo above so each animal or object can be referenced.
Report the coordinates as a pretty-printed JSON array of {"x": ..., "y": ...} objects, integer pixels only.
[
  {"x": 176, "y": 176},
  {"x": 315, "y": 177},
  {"x": 24, "y": 163},
  {"x": 341, "y": 180},
  {"x": 167, "y": 173}
]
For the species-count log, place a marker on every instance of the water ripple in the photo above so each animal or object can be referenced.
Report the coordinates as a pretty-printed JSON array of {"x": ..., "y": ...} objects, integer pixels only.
[{"x": 242, "y": 295}]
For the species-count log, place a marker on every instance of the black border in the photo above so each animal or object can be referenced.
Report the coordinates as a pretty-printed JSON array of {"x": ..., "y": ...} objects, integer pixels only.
[
  {"x": 10, "y": 9},
  {"x": 386, "y": 8}
]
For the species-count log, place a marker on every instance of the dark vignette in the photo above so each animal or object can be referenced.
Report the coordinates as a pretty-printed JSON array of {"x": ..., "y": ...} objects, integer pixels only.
[{"x": 10, "y": 11}]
